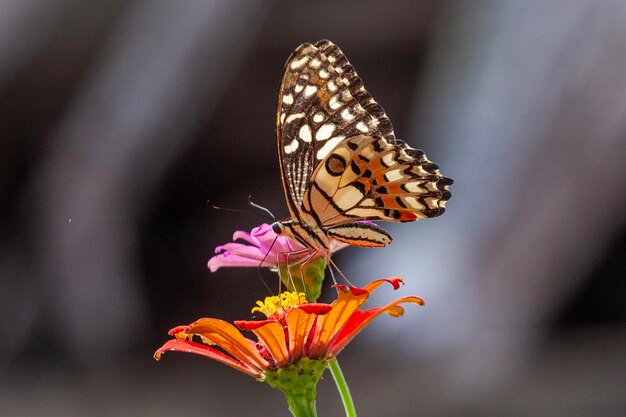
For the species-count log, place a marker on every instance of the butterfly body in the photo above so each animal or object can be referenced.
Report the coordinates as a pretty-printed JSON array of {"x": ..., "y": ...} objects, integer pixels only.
[{"x": 340, "y": 161}]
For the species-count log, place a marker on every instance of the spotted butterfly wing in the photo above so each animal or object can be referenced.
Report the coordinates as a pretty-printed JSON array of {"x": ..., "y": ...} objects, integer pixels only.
[{"x": 340, "y": 161}]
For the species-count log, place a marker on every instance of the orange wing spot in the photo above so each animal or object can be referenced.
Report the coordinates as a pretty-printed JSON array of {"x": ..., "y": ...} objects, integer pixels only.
[
  {"x": 367, "y": 186},
  {"x": 403, "y": 214},
  {"x": 359, "y": 242},
  {"x": 407, "y": 216},
  {"x": 389, "y": 201}
]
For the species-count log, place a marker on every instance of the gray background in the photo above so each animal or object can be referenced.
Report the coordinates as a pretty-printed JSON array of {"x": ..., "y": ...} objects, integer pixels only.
[{"x": 120, "y": 119}]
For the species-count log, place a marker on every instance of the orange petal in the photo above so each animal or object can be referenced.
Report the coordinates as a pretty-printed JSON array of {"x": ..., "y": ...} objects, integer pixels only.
[
  {"x": 360, "y": 319},
  {"x": 178, "y": 345},
  {"x": 328, "y": 325},
  {"x": 228, "y": 337},
  {"x": 272, "y": 336},
  {"x": 299, "y": 322}
]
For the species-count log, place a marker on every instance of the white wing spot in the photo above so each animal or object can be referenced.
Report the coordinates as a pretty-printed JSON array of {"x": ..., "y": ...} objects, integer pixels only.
[
  {"x": 412, "y": 201},
  {"x": 299, "y": 62},
  {"x": 282, "y": 118},
  {"x": 334, "y": 102},
  {"x": 288, "y": 99},
  {"x": 291, "y": 147},
  {"x": 324, "y": 74},
  {"x": 298, "y": 88},
  {"x": 325, "y": 131},
  {"x": 346, "y": 115},
  {"x": 329, "y": 146},
  {"x": 293, "y": 117},
  {"x": 310, "y": 90},
  {"x": 361, "y": 126},
  {"x": 388, "y": 160},
  {"x": 346, "y": 96},
  {"x": 413, "y": 187},
  {"x": 347, "y": 197},
  {"x": 332, "y": 87},
  {"x": 315, "y": 63},
  {"x": 319, "y": 116},
  {"x": 305, "y": 133},
  {"x": 394, "y": 175}
]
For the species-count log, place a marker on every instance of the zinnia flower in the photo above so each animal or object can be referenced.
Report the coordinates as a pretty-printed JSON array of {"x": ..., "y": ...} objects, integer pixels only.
[
  {"x": 262, "y": 247},
  {"x": 296, "y": 336}
]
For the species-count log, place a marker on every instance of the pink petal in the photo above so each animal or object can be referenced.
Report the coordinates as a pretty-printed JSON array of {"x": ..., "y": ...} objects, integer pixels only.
[
  {"x": 249, "y": 258},
  {"x": 245, "y": 236}
]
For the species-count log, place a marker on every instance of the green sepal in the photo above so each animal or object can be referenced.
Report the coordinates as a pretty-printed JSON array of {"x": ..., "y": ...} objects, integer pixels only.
[
  {"x": 311, "y": 283},
  {"x": 299, "y": 384}
]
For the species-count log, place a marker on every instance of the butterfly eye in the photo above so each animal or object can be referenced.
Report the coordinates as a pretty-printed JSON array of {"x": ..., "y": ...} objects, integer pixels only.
[
  {"x": 277, "y": 228},
  {"x": 335, "y": 165}
]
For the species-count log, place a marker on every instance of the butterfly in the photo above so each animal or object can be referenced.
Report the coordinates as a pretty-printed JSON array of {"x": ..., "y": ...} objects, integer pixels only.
[{"x": 340, "y": 161}]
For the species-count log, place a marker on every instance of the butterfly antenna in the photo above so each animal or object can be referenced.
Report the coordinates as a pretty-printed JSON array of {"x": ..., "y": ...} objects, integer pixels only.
[
  {"x": 261, "y": 265},
  {"x": 264, "y": 209},
  {"x": 264, "y": 214},
  {"x": 267, "y": 287}
]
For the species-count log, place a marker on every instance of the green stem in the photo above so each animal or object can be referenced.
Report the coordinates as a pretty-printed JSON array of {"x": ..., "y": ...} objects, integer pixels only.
[
  {"x": 342, "y": 387},
  {"x": 301, "y": 405}
]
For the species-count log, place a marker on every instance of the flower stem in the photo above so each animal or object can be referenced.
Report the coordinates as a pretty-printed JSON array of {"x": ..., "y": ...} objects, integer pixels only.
[
  {"x": 301, "y": 405},
  {"x": 342, "y": 387}
]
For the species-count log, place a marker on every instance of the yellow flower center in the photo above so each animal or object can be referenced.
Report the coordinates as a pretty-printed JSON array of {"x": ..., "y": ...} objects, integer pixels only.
[{"x": 278, "y": 303}]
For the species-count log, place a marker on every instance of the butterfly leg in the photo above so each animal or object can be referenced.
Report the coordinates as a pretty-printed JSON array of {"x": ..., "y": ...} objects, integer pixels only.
[
  {"x": 332, "y": 265},
  {"x": 282, "y": 259}
]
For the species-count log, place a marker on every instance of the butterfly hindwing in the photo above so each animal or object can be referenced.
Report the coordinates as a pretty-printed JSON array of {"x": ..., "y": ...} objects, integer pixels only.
[
  {"x": 360, "y": 234},
  {"x": 367, "y": 177}
]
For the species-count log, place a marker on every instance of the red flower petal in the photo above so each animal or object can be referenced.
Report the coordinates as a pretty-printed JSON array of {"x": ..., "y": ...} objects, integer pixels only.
[
  {"x": 178, "y": 345},
  {"x": 251, "y": 324},
  {"x": 315, "y": 308},
  {"x": 395, "y": 281},
  {"x": 177, "y": 329}
]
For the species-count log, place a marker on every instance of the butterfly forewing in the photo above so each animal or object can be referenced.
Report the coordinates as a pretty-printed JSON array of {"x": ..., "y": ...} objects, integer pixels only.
[{"x": 321, "y": 103}]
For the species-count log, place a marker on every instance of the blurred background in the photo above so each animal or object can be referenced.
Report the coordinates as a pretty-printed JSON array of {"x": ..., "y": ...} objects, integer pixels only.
[{"x": 120, "y": 119}]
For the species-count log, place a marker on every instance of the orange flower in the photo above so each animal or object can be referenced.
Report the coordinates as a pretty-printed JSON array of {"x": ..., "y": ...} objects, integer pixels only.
[{"x": 293, "y": 330}]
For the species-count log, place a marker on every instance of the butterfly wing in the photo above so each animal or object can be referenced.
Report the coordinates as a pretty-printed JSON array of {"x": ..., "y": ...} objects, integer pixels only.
[
  {"x": 366, "y": 177},
  {"x": 321, "y": 102},
  {"x": 340, "y": 160}
]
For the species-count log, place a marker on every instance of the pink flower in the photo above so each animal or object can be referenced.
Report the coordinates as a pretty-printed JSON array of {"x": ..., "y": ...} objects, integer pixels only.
[{"x": 262, "y": 247}]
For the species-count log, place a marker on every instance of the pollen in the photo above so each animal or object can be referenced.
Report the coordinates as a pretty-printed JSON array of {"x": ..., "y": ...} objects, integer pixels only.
[{"x": 279, "y": 303}]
